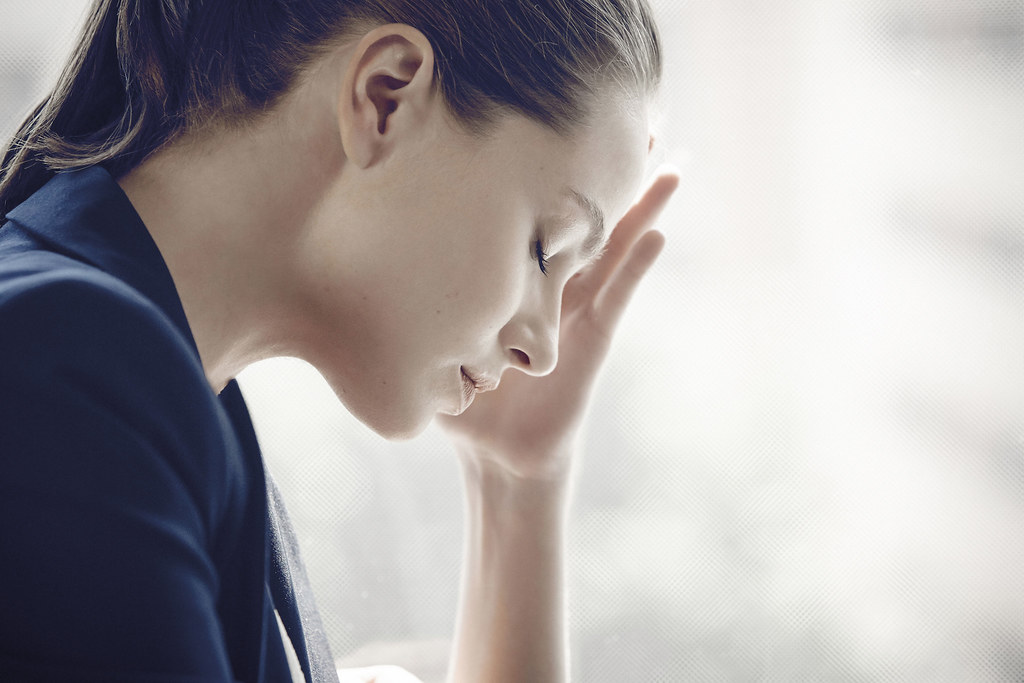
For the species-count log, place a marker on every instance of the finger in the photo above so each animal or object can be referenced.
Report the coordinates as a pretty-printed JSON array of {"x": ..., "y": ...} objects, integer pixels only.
[
  {"x": 616, "y": 295},
  {"x": 633, "y": 225}
]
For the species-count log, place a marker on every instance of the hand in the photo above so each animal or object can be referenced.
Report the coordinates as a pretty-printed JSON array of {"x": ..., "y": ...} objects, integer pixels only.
[{"x": 527, "y": 426}]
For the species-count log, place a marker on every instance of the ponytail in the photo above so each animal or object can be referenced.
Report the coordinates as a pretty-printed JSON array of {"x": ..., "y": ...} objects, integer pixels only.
[{"x": 96, "y": 114}]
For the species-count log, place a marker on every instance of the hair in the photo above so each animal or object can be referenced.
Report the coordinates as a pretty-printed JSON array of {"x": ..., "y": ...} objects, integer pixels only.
[{"x": 146, "y": 71}]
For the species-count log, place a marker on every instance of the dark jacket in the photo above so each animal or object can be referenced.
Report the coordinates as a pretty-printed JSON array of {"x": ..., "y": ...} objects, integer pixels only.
[{"x": 134, "y": 539}]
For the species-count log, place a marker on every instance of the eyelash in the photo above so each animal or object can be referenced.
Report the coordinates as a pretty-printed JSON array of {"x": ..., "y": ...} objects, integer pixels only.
[{"x": 541, "y": 256}]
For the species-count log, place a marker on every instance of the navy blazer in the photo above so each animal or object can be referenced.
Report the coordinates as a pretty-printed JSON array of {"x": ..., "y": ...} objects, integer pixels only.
[{"x": 134, "y": 541}]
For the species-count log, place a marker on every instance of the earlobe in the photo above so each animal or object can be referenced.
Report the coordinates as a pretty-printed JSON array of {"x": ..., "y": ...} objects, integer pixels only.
[{"x": 385, "y": 92}]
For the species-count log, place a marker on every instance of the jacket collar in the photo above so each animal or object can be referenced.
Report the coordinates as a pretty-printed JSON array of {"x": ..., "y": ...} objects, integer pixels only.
[{"x": 86, "y": 215}]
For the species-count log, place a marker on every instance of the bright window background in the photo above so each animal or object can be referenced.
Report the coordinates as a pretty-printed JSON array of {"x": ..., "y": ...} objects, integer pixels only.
[{"x": 806, "y": 459}]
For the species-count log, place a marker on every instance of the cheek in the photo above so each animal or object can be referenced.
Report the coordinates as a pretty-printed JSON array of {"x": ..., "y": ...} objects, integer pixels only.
[
  {"x": 453, "y": 276},
  {"x": 492, "y": 286},
  {"x": 477, "y": 282}
]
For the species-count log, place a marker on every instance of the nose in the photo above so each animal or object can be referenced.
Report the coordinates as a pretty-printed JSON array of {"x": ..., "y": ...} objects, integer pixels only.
[{"x": 530, "y": 339}]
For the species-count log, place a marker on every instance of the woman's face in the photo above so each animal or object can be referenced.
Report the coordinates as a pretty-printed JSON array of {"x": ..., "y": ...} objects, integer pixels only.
[{"x": 425, "y": 266}]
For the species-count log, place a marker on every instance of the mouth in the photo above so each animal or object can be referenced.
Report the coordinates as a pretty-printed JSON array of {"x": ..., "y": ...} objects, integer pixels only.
[
  {"x": 481, "y": 382},
  {"x": 468, "y": 391},
  {"x": 473, "y": 385}
]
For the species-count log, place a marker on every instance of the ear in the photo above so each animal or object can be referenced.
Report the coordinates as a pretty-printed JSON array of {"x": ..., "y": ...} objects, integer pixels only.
[{"x": 386, "y": 93}]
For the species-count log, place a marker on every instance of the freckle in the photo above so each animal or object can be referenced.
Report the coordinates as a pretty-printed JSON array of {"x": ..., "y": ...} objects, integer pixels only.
[
  {"x": 364, "y": 297},
  {"x": 384, "y": 382},
  {"x": 438, "y": 312}
]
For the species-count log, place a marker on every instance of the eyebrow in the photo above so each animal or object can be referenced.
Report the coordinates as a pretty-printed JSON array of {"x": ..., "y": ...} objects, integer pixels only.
[{"x": 595, "y": 237}]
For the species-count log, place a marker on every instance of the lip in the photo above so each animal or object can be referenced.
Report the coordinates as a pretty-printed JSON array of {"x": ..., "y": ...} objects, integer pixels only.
[
  {"x": 473, "y": 384},
  {"x": 468, "y": 392},
  {"x": 480, "y": 381}
]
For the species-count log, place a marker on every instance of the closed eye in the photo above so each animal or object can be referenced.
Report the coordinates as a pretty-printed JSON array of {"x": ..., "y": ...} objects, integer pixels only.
[{"x": 541, "y": 256}]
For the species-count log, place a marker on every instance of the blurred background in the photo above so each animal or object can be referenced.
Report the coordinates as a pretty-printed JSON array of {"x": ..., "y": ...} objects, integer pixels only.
[{"x": 806, "y": 458}]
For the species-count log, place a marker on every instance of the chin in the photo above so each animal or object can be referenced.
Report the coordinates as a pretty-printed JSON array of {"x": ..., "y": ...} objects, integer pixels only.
[
  {"x": 383, "y": 413},
  {"x": 400, "y": 434},
  {"x": 392, "y": 423}
]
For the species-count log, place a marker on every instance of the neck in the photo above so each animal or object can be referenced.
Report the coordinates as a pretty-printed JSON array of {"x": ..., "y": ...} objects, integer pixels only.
[{"x": 226, "y": 209}]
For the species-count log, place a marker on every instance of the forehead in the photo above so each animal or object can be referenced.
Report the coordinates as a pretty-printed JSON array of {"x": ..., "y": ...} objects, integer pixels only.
[
  {"x": 595, "y": 172},
  {"x": 611, "y": 156}
]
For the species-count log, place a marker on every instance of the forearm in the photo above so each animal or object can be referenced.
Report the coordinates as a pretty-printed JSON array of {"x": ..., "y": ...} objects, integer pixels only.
[{"x": 512, "y": 623}]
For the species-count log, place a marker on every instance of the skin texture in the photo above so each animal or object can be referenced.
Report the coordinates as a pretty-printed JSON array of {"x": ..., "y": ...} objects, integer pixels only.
[{"x": 357, "y": 227}]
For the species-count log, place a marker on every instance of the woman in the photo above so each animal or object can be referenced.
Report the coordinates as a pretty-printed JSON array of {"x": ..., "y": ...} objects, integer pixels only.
[{"x": 412, "y": 196}]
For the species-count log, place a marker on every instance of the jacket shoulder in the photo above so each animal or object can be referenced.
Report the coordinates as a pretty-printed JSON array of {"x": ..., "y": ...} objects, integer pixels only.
[
  {"x": 119, "y": 471},
  {"x": 47, "y": 292},
  {"x": 77, "y": 324},
  {"x": 79, "y": 349}
]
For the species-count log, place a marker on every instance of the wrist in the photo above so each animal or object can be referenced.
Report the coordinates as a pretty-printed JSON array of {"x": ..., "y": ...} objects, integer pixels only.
[
  {"x": 535, "y": 491},
  {"x": 548, "y": 467}
]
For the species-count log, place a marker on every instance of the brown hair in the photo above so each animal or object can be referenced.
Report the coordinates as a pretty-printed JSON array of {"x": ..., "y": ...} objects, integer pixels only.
[{"x": 144, "y": 71}]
